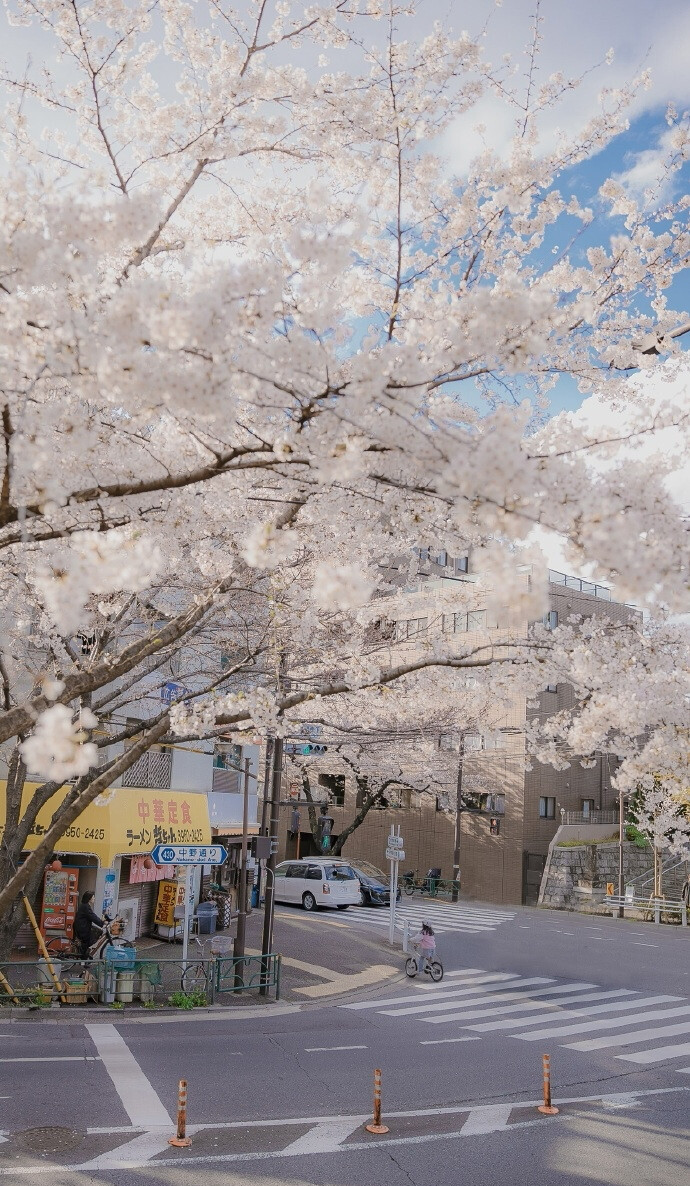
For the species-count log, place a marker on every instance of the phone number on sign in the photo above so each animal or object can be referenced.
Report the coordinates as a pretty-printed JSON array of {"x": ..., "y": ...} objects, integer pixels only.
[{"x": 89, "y": 833}]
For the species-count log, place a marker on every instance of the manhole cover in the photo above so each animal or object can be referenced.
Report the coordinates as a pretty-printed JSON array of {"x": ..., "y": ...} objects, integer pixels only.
[{"x": 51, "y": 1139}]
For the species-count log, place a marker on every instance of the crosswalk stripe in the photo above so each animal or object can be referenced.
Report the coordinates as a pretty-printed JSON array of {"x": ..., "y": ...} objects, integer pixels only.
[
  {"x": 613, "y": 995},
  {"x": 484, "y": 1012},
  {"x": 505, "y": 998},
  {"x": 406, "y": 999},
  {"x": 486, "y": 978},
  {"x": 610, "y": 1023},
  {"x": 450, "y": 998},
  {"x": 631, "y": 1039},
  {"x": 658, "y": 1055}
]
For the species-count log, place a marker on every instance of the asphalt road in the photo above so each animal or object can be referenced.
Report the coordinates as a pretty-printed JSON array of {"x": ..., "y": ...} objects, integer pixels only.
[{"x": 280, "y": 1095}]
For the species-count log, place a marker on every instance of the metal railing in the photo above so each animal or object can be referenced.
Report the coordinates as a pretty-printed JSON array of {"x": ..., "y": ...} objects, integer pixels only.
[
  {"x": 149, "y": 983},
  {"x": 589, "y": 817},
  {"x": 562, "y": 578},
  {"x": 153, "y": 769},
  {"x": 647, "y": 878}
]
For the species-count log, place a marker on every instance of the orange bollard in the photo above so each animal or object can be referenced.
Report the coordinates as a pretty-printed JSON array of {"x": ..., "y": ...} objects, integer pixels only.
[
  {"x": 547, "y": 1107},
  {"x": 376, "y": 1126},
  {"x": 181, "y": 1141}
]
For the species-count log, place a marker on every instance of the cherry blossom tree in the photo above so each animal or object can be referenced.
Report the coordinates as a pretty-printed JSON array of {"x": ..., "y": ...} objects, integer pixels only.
[{"x": 252, "y": 318}]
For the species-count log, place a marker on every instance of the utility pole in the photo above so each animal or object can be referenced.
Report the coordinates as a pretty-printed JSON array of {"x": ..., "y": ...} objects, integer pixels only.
[
  {"x": 267, "y": 939},
  {"x": 239, "y": 945},
  {"x": 267, "y": 784},
  {"x": 458, "y": 822},
  {"x": 621, "y": 837}
]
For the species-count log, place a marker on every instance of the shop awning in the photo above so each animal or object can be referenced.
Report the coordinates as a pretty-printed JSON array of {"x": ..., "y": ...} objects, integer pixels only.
[{"x": 123, "y": 821}]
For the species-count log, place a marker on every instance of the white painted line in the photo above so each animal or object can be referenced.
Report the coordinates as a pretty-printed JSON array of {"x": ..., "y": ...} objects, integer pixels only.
[
  {"x": 616, "y": 1007},
  {"x": 448, "y": 999},
  {"x": 485, "y": 1011},
  {"x": 486, "y": 1119},
  {"x": 57, "y": 1058},
  {"x": 658, "y": 1055},
  {"x": 144, "y": 1147},
  {"x": 636, "y": 943},
  {"x": 603, "y": 938},
  {"x": 445, "y": 1041},
  {"x": 478, "y": 1122},
  {"x": 325, "y": 1138},
  {"x": 316, "y": 1049},
  {"x": 486, "y": 978},
  {"x": 634, "y": 1038},
  {"x": 610, "y": 1023},
  {"x": 138, "y": 1096}
]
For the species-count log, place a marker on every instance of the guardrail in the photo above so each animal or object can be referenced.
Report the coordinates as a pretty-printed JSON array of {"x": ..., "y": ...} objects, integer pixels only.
[
  {"x": 434, "y": 887},
  {"x": 150, "y": 983},
  {"x": 652, "y": 907}
]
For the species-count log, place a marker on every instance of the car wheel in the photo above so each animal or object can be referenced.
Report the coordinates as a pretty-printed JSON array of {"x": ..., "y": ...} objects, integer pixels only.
[
  {"x": 362, "y": 898},
  {"x": 344, "y": 907},
  {"x": 309, "y": 901}
]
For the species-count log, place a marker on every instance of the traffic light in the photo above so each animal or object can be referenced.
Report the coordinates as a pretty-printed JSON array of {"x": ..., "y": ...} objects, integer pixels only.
[
  {"x": 324, "y": 825},
  {"x": 310, "y": 749},
  {"x": 261, "y": 847},
  {"x": 494, "y": 825}
]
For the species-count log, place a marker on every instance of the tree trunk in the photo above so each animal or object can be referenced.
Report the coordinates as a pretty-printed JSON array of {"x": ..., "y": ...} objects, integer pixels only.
[{"x": 370, "y": 798}]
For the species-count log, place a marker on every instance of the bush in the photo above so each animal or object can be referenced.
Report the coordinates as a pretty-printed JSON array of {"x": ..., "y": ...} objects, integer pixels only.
[{"x": 188, "y": 1000}]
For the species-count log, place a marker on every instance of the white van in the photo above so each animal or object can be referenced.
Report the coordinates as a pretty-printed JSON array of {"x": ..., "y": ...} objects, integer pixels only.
[{"x": 316, "y": 881}]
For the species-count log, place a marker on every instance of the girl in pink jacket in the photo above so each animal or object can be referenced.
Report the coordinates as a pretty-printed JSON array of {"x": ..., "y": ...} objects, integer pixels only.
[{"x": 426, "y": 941}]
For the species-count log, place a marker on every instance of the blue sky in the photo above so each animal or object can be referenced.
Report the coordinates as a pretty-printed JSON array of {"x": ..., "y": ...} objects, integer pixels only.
[{"x": 575, "y": 35}]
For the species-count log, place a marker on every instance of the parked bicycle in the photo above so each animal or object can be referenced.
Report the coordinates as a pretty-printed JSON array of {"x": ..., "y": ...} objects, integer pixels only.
[
  {"x": 71, "y": 956},
  {"x": 426, "y": 885},
  {"x": 433, "y": 966}
]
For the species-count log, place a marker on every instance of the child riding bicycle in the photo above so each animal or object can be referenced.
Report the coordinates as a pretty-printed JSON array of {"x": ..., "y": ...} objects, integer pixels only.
[{"x": 425, "y": 941}]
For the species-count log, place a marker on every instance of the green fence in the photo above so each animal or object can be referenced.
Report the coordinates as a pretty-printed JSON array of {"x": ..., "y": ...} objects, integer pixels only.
[{"x": 148, "y": 983}]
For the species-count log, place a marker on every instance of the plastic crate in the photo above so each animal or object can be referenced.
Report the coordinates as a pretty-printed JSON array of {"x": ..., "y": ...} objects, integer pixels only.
[{"x": 124, "y": 957}]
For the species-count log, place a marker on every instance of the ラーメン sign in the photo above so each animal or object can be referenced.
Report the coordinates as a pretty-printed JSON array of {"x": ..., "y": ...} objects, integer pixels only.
[{"x": 129, "y": 821}]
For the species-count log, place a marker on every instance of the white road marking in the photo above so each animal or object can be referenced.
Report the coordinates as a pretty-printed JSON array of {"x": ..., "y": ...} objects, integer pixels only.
[
  {"x": 636, "y": 944},
  {"x": 657, "y": 1055},
  {"x": 486, "y": 1119},
  {"x": 316, "y": 1049},
  {"x": 631, "y": 1039},
  {"x": 138, "y": 1096},
  {"x": 145, "y": 1146},
  {"x": 479, "y": 980},
  {"x": 325, "y": 1138},
  {"x": 448, "y": 999},
  {"x": 603, "y": 938},
  {"x": 616, "y": 1007},
  {"x": 445, "y": 1041},
  {"x": 478, "y": 1122},
  {"x": 609, "y": 1023},
  {"x": 463, "y": 1015},
  {"x": 57, "y": 1058}
]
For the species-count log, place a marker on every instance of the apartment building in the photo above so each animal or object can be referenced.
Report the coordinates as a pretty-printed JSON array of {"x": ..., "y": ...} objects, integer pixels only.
[{"x": 503, "y": 845}]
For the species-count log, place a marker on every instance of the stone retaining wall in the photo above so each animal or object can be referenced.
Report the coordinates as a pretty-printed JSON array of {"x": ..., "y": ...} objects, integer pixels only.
[{"x": 575, "y": 878}]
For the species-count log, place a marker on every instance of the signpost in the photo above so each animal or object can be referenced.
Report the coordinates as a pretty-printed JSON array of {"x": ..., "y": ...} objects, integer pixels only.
[
  {"x": 394, "y": 854},
  {"x": 188, "y": 855}
]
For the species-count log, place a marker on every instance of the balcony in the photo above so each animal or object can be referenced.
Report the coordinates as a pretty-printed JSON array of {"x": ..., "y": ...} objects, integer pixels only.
[
  {"x": 589, "y": 817},
  {"x": 153, "y": 769}
]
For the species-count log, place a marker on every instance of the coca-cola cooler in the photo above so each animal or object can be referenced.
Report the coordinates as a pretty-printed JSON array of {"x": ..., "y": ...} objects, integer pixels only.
[{"x": 60, "y": 901}]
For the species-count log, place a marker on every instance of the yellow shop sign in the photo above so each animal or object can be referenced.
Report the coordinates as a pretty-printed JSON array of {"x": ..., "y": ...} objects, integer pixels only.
[{"x": 128, "y": 822}]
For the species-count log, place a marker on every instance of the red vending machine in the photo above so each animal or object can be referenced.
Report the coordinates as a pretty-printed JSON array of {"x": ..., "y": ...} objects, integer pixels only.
[{"x": 60, "y": 901}]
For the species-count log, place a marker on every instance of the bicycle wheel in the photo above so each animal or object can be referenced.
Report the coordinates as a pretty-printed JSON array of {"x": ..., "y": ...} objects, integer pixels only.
[
  {"x": 411, "y": 968},
  {"x": 194, "y": 978},
  {"x": 436, "y": 970},
  {"x": 408, "y": 888}
]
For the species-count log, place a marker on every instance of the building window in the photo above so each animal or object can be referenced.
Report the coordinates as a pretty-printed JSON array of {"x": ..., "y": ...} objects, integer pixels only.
[
  {"x": 472, "y": 741},
  {"x": 551, "y": 619},
  {"x": 475, "y": 620},
  {"x": 413, "y": 628},
  {"x": 547, "y": 807},
  {"x": 552, "y": 687},
  {"x": 442, "y": 559},
  {"x": 462, "y": 564},
  {"x": 587, "y": 807}
]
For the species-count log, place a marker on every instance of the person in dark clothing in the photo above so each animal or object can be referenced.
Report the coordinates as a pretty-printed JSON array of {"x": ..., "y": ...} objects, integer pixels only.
[{"x": 84, "y": 922}]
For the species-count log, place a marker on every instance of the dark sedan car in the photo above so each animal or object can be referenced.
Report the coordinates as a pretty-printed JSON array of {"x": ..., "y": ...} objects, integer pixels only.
[{"x": 374, "y": 884}]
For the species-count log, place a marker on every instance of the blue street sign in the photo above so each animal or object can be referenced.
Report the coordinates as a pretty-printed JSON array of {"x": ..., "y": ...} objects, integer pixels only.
[
  {"x": 189, "y": 854},
  {"x": 172, "y": 692}
]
